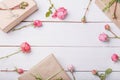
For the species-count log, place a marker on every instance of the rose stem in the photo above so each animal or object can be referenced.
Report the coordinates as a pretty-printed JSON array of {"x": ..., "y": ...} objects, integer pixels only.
[
  {"x": 10, "y": 55},
  {"x": 52, "y": 4},
  {"x": 113, "y": 33},
  {"x": 22, "y": 27},
  {"x": 87, "y": 8},
  {"x": 115, "y": 37},
  {"x": 114, "y": 14},
  {"x": 10, "y": 70},
  {"x": 73, "y": 76}
]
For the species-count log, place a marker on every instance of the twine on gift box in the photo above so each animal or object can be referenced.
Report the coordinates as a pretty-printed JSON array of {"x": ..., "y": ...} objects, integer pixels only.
[
  {"x": 22, "y": 5},
  {"x": 107, "y": 7},
  {"x": 39, "y": 77}
]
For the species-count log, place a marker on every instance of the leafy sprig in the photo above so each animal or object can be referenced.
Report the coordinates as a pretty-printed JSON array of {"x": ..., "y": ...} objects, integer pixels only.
[
  {"x": 49, "y": 12},
  {"x": 103, "y": 76},
  {"x": 118, "y": 1}
]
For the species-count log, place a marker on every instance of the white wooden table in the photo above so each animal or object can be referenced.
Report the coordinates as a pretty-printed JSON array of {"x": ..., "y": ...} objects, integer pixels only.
[{"x": 71, "y": 42}]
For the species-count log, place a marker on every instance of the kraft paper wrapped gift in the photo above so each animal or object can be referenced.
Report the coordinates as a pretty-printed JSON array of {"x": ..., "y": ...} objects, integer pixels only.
[
  {"x": 10, "y": 18},
  {"x": 102, "y": 3},
  {"x": 47, "y": 69}
]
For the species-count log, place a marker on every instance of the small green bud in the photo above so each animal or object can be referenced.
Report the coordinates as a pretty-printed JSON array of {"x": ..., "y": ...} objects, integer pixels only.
[
  {"x": 22, "y": 7},
  {"x": 24, "y": 4}
]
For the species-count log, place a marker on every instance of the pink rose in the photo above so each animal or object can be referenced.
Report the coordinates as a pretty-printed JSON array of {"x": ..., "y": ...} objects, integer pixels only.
[
  {"x": 115, "y": 57},
  {"x": 25, "y": 47},
  {"x": 60, "y": 13},
  {"x": 70, "y": 68},
  {"x": 37, "y": 23},
  {"x": 103, "y": 37},
  {"x": 19, "y": 70}
]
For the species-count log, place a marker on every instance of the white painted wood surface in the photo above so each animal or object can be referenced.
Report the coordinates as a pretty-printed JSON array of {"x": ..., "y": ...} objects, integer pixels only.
[{"x": 71, "y": 42}]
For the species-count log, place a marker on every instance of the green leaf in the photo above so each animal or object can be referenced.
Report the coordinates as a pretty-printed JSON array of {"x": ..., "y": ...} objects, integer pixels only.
[
  {"x": 59, "y": 79},
  {"x": 108, "y": 71},
  {"x": 50, "y": 11},
  {"x": 37, "y": 77},
  {"x": 48, "y": 14},
  {"x": 118, "y": 1}
]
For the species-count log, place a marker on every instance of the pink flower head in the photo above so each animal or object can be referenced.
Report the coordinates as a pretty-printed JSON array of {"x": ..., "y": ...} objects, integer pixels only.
[
  {"x": 71, "y": 68},
  {"x": 54, "y": 15},
  {"x": 25, "y": 47},
  {"x": 115, "y": 57},
  {"x": 94, "y": 72},
  {"x": 60, "y": 13},
  {"x": 103, "y": 37},
  {"x": 37, "y": 23},
  {"x": 19, "y": 70},
  {"x": 107, "y": 27}
]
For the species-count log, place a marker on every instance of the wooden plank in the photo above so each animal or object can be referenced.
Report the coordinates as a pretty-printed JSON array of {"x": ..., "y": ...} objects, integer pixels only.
[
  {"x": 60, "y": 34},
  {"x": 78, "y": 75},
  {"x": 75, "y": 13},
  {"x": 84, "y": 59}
]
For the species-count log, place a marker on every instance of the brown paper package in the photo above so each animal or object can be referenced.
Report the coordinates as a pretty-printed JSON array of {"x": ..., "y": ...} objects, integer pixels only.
[
  {"x": 46, "y": 68},
  {"x": 7, "y": 21},
  {"x": 102, "y": 3}
]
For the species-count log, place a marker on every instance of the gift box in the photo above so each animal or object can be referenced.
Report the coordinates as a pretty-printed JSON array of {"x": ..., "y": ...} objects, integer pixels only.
[
  {"x": 12, "y": 12},
  {"x": 110, "y": 12},
  {"x": 48, "y": 69}
]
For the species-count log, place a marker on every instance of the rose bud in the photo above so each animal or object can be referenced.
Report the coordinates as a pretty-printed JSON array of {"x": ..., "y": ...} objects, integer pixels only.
[
  {"x": 25, "y": 47},
  {"x": 71, "y": 68},
  {"x": 19, "y": 70},
  {"x": 37, "y": 23},
  {"x": 83, "y": 20},
  {"x": 94, "y": 72},
  {"x": 115, "y": 57},
  {"x": 107, "y": 27}
]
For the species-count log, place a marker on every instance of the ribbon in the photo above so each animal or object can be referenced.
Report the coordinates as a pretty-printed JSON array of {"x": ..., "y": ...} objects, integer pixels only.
[{"x": 39, "y": 77}]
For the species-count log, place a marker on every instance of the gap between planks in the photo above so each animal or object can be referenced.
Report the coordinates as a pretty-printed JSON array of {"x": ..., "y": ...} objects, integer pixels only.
[
  {"x": 62, "y": 46},
  {"x": 65, "y": 71},
  {"x": 72, "y": 21}
]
